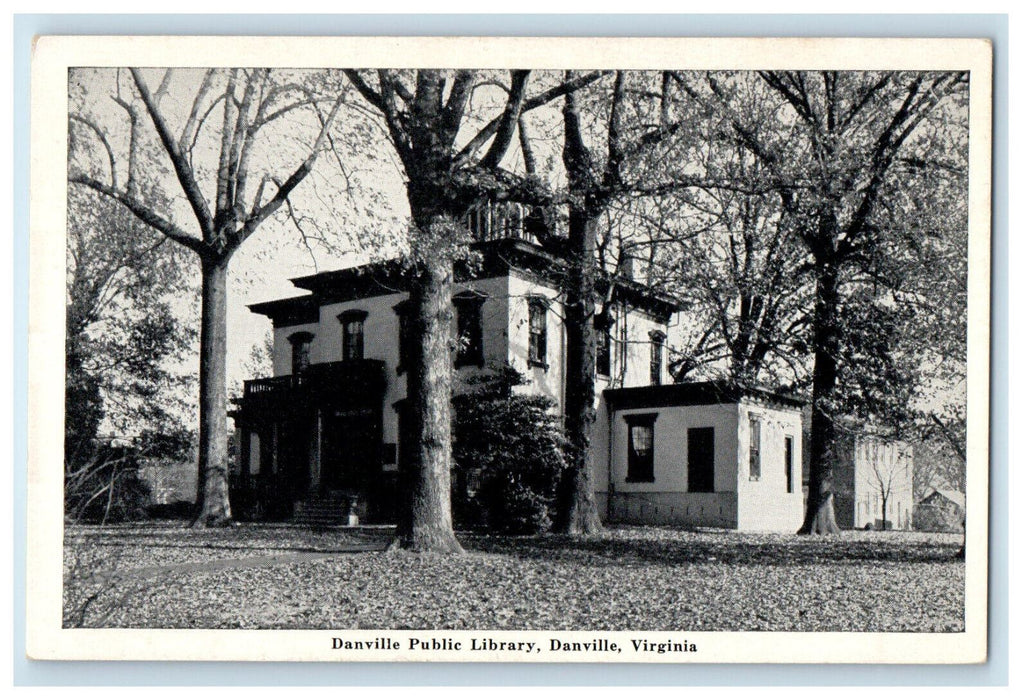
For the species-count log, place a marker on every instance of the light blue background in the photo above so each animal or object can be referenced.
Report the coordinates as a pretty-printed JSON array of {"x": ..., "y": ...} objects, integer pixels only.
[{"x": 995, "y": 672}]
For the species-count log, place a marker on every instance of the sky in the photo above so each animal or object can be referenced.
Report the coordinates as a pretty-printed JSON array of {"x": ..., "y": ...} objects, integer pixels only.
[
  {"x": 351, "y": 203},
  {"x": 339, "y": 225}
]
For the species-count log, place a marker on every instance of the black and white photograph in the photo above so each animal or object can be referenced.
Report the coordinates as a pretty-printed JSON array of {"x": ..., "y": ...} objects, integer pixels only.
[{"x": 606, "y": 350}]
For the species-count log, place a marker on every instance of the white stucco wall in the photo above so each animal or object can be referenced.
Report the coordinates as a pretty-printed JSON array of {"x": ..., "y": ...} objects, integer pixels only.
[
  {"x": 765, "y": 504},
  {"x": 667, "y": 498},
  {"x": 505, "y": 318},
  {"x": 548, "y": 382},
  {"x": 737, "y": 501},
  {"x": 891, "y": 462},
  {"x": 381, "y": 336}
]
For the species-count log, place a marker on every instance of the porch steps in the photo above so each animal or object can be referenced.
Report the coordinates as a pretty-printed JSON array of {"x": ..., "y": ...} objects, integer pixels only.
[{"x": 324, "y": 511}]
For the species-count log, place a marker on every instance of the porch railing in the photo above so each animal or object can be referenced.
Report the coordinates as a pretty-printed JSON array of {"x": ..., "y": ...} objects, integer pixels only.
[{"x": 345, "y": 375}]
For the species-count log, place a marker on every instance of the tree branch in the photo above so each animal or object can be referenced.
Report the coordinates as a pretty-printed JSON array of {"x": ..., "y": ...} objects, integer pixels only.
[
  {"x": 146, "y": 215},
  {"x": 103, "y": 140},
  {"x": 530, "y": 104},
  {"x": 182, "y": 167},
  {"x": 509, "y": 119},
  {"x": 263, "y": 212}
]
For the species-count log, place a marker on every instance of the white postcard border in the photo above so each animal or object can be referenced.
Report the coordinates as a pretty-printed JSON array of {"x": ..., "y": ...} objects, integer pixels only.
[{"x": 54, "y": 55}]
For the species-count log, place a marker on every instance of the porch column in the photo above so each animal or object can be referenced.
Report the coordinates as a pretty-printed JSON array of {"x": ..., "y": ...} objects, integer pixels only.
[{"x": 316, "y": 451}]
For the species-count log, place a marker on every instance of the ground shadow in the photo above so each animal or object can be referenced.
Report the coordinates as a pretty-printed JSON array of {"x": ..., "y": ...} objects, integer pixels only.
[{"x": 708, "y": 548}]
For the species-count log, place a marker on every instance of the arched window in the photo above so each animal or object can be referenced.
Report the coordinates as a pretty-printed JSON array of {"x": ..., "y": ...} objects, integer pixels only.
[
  {"x": 352, "y": 323},
  {"x": 301, "y": 352},
  {"x": 403, "y": 311},
  {"x": 657, "y": 356},
  {"x": 468, "y": 305},
  {"x": 537, "y": 332},
  {"x": 602, "y": 324}
]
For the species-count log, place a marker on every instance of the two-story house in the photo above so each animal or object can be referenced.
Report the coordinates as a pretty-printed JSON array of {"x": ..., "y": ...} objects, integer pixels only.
[{"x": 324, "y": 430}]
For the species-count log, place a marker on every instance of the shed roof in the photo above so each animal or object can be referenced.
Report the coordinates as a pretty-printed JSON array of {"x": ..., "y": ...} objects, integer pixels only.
[
  {"x": 696, "y": 394},
  {"x": 950, "y": 494}
]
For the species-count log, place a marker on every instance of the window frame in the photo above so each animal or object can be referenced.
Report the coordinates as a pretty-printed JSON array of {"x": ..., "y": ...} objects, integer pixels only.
[
  {"x": 657, "y": 357},
  {"x": 754, "y": 448},
  {"x": 352, "y": 316},
  {"x": 468, "y": 306},
  {"x": 301, "y": 340},
  {"x": 403, "y": 312},
  {"x": 639, "y": 469},
  {"x": 602, "y": 325},
  {"x": 537, "y": 351}
]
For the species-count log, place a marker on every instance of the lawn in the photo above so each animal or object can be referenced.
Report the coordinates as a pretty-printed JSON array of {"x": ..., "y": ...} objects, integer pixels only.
[{"x": 642, "y": 578}]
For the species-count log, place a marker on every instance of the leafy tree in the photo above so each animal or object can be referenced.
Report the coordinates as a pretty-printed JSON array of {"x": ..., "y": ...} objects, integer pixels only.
[
  {"x": 213, "y": 142},
  {"x": 841, "y": 159},
  {"x": 123, "y": 337},
  {"x": 728, "y": 252}
]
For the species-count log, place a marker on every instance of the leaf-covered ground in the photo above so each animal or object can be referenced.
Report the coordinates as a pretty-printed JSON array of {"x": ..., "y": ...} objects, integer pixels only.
[{"x": 630, "y": 578}]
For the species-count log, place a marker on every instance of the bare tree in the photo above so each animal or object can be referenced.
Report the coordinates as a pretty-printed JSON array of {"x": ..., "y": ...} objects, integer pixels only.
[
  {"x": 633, "y": 115},
  {"x": 214, "y": 145},
  {"x": 887, "y": 477}
]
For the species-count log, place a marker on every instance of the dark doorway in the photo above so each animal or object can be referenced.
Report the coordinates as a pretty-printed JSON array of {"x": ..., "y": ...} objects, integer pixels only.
[
  {"x": 351, "y": 447},
  {"x": 700, "y": 451}
]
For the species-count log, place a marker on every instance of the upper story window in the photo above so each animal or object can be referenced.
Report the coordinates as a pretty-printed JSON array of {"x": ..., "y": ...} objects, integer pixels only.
[
  {"x": 640, "y": 458},
  {"x": 352, "y": 323},
  {"x": 301, "y": 351},
  {"x": 469, "y": 328},
  {"x": 657, "y": 356},
  {"x": 755, "y": 447},
  {"x": 537, "y": 332},
  {"x": 403, "y": 311},
  {"x": 602, "y": 323}
]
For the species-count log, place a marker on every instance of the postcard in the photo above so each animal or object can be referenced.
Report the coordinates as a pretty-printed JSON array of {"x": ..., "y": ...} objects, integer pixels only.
[{"x": 648, "y": 350}]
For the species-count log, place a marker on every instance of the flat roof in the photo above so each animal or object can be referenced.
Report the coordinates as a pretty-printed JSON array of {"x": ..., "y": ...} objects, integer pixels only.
[{"x": 500, "y": 256}]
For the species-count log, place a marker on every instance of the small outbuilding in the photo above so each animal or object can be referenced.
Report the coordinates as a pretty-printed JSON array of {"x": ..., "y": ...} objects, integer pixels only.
[
  {"x": 704, "y": 454},
  {"x": 941, "y": 510}
]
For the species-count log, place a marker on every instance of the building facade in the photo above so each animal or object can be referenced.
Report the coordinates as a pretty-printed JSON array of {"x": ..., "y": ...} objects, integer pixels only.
[
  {"x": 321, "y": 437},
  {"x": 870, "y": 470}
]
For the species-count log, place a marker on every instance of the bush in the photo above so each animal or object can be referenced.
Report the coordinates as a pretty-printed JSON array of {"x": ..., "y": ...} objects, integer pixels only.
[
  {"x": 515, "y": 509},
  {"x": 508, "y": 456},
  {"x": 106, "y": 487}
]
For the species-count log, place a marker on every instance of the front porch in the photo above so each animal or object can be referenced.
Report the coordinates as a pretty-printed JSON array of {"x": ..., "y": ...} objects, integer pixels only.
[{"x": 311, "y": 447}]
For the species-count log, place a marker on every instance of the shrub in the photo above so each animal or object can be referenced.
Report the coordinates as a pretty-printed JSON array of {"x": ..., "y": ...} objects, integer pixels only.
[
  {"x": 508, "y": 456},
  {"x": 515, "y": 509},
  {"x": 106, "y": 487}
]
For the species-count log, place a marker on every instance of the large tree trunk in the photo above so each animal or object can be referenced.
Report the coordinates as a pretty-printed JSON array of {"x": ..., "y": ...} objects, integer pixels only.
[
  {"x": 425, "y": 523},
  {"x": 819, "y": 517},
  {"x": 212, "y": 504},
  {"x": 577, "y": 508}
]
